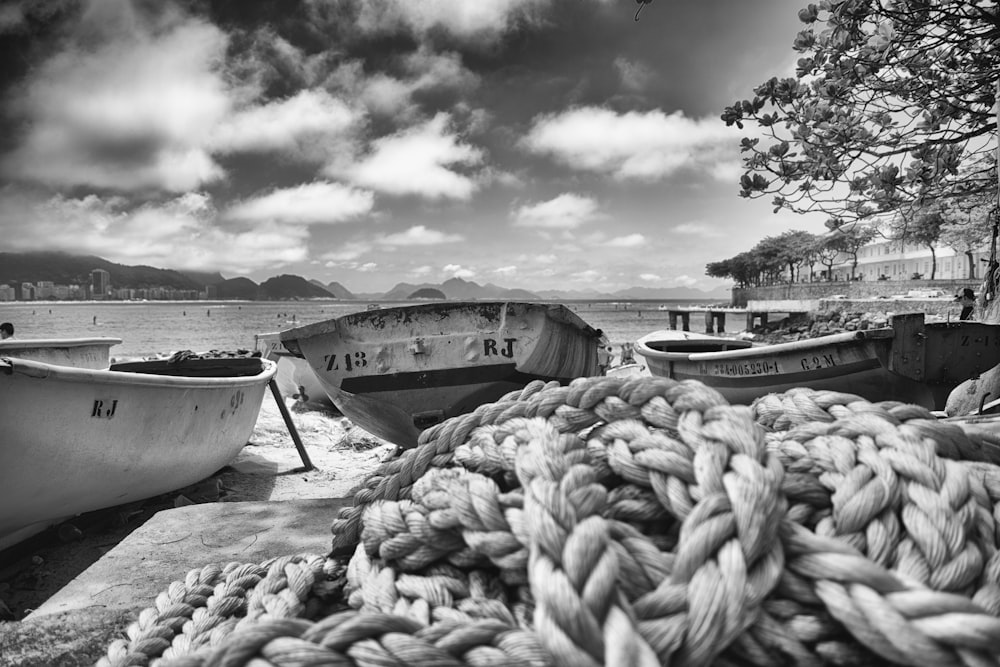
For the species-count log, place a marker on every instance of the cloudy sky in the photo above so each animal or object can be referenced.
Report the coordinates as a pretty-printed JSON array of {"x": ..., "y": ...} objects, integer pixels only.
[{"x": 528, "y": 143}]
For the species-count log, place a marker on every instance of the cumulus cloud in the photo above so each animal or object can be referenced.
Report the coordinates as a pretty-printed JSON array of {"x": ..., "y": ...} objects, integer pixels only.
[
  {"x": 702, "y": 229},
  {"x": 459, "y": 271},
  {"x": 633, "y": 145},
  {"x": 12, "y": 18},
  {"x": 312, "y": 124},
  {"x": 545, "y": 258},
  {"x": 505, "y": 271},
  {"x": 588, "y": 276},
  {"x": 180, "y": 233},
  {"x": 421, "y": 71},
  {"x": 635, "y": 76},
  {"x": 345, "y": 252},
  {"x": 567, "y": 211},
  {"x": 481, "y": 22},
  {"x": 309, "y": 204},
  {"x": 419, "y": 160},
  {"x": 628, "y": 241},
  {"x": 685, "y": 280},
  {"x": 133, "y": 111},
  {"x": 650, "y": 277},
  {"x": 418, "y": 235}
]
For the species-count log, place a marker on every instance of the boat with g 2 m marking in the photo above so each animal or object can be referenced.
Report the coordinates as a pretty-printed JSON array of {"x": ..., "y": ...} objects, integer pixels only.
[
  {"x": 76, "y": 352},
  {"x": 395, "y": 371},
  {"x": 78, "y": 439},
  {"x": 910, "y": 361},
  {"x": 294, "y": 377}
]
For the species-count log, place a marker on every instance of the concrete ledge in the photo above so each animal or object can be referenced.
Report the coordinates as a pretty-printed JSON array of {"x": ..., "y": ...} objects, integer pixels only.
[
  {"x": 175, "y": 541},
  {"x": 784, "y": 306}
]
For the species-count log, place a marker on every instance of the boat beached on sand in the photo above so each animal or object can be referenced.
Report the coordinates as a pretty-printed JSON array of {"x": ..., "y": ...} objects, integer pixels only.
[
  {"x": 77, "y": 439},
  {"x": 75, "y": 352},
  {"x": 294, "y": 377},
  {"x": 395, "y": 371},
  {"x": 909, "y": 361}
]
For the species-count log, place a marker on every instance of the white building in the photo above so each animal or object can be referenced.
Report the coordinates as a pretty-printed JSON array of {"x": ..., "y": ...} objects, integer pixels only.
[{"x": 896, "y": 260}]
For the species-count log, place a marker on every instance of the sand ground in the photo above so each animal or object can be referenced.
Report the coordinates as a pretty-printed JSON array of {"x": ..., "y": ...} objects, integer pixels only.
[{"x": 268, "y": 468}]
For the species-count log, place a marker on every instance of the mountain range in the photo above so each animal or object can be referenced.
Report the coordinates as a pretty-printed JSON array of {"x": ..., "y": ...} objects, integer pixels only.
[{"x": 62, "y": 268}]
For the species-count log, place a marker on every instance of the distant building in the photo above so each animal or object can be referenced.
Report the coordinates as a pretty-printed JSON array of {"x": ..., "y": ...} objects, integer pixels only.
[
  {"x": 100, "y": 284},
  {"x": 7, "y": 293},
  {"x": 45, "y": 289},
  {"x": 27, "y": 292},
  {"x": 895, "y": 260}
]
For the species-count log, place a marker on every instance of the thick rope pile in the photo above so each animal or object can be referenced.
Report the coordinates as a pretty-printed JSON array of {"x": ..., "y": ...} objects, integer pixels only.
[{"x": 630, "y": 522}]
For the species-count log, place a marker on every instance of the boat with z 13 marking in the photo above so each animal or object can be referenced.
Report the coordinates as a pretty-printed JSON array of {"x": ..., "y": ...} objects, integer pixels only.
[
  {"x": 396, "y": 371},
  {"x": 910, "y": 361},
  {"x": 78, "y": 439},
  {"x": 295, "y": 378}
]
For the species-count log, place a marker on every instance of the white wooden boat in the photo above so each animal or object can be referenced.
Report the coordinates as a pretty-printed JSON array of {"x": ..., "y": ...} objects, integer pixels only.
[
  {"x": 76, "y": 440},
  {"x": 294, "y": 377},
  {"x": 395, "y": 371},
  {"x": 76, "y": 352},
  {"x": 910, "y": 361}
]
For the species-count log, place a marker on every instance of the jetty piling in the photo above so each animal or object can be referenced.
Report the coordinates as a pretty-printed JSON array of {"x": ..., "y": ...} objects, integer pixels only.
[{"x": 715, "y": 318}]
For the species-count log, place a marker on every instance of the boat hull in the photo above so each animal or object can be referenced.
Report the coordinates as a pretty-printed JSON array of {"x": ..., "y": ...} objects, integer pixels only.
[
  {"x": 75, "y": 352},
  {"x": 396, "y": 371},
  {"x": 294, "y": 377},
  {"x": 77, "y": 440},
  {"x": 909, "y": 362}
]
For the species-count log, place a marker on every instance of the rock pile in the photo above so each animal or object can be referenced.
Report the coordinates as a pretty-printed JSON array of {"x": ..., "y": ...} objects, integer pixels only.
[{"x": 820, "y": 324}]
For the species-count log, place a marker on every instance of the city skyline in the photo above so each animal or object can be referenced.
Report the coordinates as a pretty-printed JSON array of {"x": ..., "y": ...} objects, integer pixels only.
[{"x": 539, "y": 144}]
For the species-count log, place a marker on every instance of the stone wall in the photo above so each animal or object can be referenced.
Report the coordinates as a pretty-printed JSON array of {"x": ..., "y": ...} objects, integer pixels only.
[
  {"x": 854, "y": 289},
  {"x": 942, "y": 307}
]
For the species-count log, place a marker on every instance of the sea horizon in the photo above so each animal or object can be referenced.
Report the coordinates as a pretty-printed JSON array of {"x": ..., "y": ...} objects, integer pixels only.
[{"x": 155, "y": 328}]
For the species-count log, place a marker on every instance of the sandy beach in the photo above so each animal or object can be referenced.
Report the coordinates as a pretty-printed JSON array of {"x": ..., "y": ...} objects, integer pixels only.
[{"x": 268, "y": 468}]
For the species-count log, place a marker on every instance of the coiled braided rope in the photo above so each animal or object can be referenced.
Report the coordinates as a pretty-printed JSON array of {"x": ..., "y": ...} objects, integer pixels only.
[{"x": 631, "y": 521}]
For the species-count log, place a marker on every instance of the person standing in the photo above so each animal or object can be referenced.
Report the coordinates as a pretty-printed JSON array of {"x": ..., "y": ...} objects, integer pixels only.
[{"x": 967, "y": 299}]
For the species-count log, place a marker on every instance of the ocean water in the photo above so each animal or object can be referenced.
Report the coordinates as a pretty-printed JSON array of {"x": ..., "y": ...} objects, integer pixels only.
[{"x": 151, "y": 328}]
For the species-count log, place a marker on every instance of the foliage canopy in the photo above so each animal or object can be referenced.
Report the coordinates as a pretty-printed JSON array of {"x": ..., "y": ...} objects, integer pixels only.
[{"x": 891, "y": 99}]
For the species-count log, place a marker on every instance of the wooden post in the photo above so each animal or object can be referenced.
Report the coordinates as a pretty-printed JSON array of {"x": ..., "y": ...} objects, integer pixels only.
[
  {"x": 306, "y": 463},
  {"x": 709, "y": 322},
  {"x": 686, "y": 321},
  {"x": 721, "y": 325},
  {"x": 673, "y": 319}
]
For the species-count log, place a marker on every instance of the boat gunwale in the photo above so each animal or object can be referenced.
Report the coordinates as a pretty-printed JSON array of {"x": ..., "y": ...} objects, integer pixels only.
[
  {"x": 56, "y": 342},
  {"x": 642, "y": 347},
  {"x": 324, "y": 327},
  {"x": 10, "y": 365},
  {"x": 274, "y": 336}
]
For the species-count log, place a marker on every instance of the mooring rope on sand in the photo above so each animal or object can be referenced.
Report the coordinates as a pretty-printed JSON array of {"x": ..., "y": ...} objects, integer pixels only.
[{"x": 636, "y": 521}]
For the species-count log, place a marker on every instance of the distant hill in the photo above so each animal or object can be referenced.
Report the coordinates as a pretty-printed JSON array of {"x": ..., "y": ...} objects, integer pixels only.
[
  {"x": 290, "y": 287},
  {"x": 237, "y": 288},
  {"x": 428, "y": 293},
  {"x": 340, "y": 291},
  {"x": 204, "y": 277},
  {"x": 65, "y": 269},
  {"x": 458, "y": 289}
]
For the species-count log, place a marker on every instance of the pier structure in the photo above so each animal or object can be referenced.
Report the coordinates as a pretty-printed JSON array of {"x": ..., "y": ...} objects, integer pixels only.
[{"x": 715, "y": 317}]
